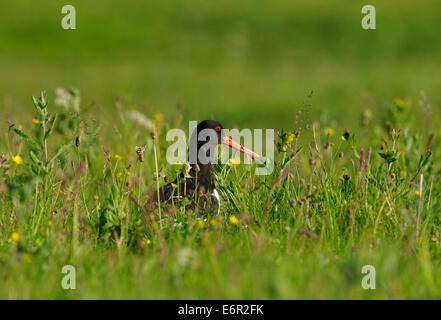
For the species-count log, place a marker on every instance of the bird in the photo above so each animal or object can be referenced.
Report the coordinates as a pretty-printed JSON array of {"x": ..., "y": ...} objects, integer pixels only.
[{"x": 200, "y": 174}]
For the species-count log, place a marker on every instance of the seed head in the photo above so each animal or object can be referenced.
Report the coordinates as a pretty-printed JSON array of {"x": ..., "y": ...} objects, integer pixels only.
[
  {"x": 429, "y": 141},
  {"x": 389, "y": 127},
  {"x": 77, "y": 141},
  {"x": 362, "y": 162},
  {"x": 293, "y": 203},
  {"x": 140, "y": 153}
]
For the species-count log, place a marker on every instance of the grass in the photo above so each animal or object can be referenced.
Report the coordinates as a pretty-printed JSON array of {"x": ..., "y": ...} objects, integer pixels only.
[
  {"x": 303, "y": 234},
  {"x": 332, "y": 206},
  {"x": 240, "y": 64}
]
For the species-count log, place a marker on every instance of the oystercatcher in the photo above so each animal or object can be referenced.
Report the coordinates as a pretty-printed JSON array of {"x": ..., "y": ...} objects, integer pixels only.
[{"x": 200, "y": 177}]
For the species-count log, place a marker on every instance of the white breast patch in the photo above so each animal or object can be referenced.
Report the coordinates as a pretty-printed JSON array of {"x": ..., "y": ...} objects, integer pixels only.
[{"x": 216, "y": 195}]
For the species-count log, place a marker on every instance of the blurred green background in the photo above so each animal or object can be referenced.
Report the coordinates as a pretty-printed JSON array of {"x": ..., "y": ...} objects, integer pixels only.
[{"x": 249, "y": 63}]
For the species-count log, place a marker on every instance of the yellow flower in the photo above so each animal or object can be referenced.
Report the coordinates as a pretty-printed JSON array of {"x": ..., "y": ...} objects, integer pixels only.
[
  {"x": 128, "y": 173},
  {"x": 206, "y": 239},
  {"x": 314, "y": 188},
  {"x": 17, "y": 159},
  {"x": 36, "y": 121},
  {"x": 174, "y": 185},
  {"x": 158, "y": 117},
  {"x": 233, "y": 162},
  {"x": 215, "y": 223},
  {"x": 342, "y": 138},
  {"x": 329, "y": 132},
  {"x": 49, "y": 224},
  {"x": 118, "y": 157},
  {"x": 201, "y": 223},
  {"x": 417, "y": 193},
  {"x": 399, "y": 103},
  {"x": 15, "y": 237},
  {"x": 148, "y": 242},
  {"x": 27, "y": 258},
  {"x": 178, "y": 163},
  {"x": 234, "y": 220},
  {"x": 290, "y": 138},
  {"x": 118, "y": 175}
]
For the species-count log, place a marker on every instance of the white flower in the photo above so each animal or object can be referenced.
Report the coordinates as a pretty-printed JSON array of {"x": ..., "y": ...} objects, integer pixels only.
[
  {"x": 140, "y": 119},
  {"x": 68, "y": 99}
]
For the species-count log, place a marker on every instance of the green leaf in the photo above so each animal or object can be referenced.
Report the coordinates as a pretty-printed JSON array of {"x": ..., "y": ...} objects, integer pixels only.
[
  {"x": 426, "y": 158},
  {"x": 28, "y": 139},
  {"x": 38, "y": 107},
  {"x": 63, "y": 149},
  {"x": 35, "y": 102},
  {"x": 389, "y": 156},
  {"x": 51, "y": 124},
  {"x": 43, "y": 99},
  {"x": 34, "y": 158},
  {"x": 285, "y": 163}
]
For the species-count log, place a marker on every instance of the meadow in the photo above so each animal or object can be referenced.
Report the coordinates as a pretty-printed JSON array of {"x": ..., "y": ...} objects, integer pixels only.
[{"x": 357, "y": 163}]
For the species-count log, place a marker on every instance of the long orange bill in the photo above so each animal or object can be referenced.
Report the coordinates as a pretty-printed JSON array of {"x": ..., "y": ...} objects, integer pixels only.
[{"x": 233, "y": 144}]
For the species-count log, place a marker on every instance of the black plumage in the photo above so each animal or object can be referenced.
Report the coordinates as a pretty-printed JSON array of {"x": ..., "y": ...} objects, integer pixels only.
[{"x": 199, "y": 178}]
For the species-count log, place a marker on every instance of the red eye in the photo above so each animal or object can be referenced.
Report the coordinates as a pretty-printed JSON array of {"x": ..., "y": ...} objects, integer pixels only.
[{"x": 218, "y": 128}]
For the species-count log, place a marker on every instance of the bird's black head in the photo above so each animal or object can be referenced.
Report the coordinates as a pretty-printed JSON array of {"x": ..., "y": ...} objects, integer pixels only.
[
  {"x": 214, "y": 125},
  {"x": 207, "y": 135}
]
